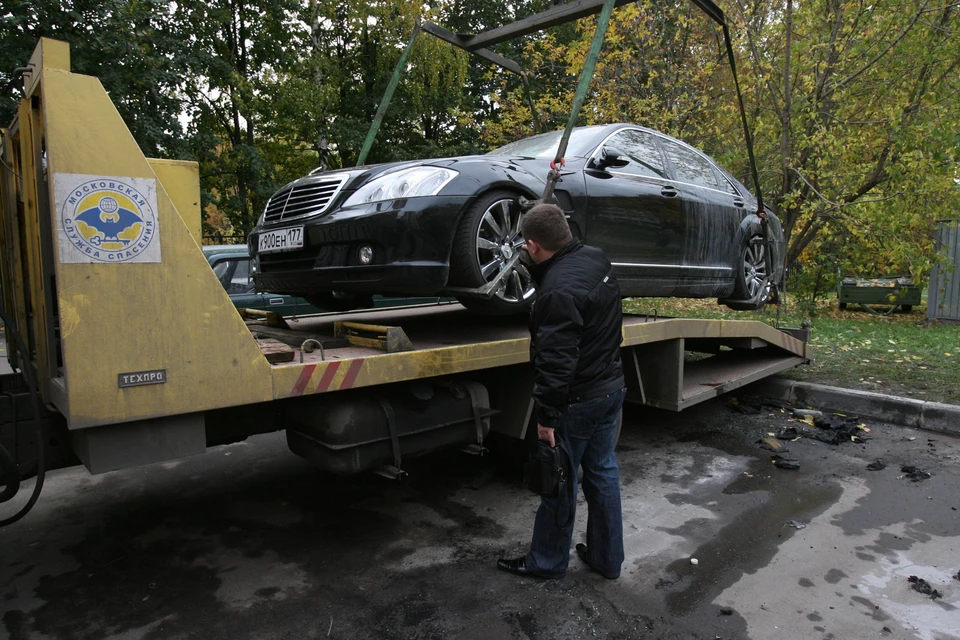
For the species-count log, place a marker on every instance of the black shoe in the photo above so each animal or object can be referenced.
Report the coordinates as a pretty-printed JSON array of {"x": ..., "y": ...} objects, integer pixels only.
[
  {"x": 518, "y": 567},
  {"x": 582, "y": 554}
]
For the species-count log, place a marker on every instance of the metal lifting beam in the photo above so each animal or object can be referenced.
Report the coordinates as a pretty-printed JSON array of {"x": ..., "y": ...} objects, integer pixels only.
[
  {"x": 555, "y": 15},
  {"x": 457, "y": 41}
]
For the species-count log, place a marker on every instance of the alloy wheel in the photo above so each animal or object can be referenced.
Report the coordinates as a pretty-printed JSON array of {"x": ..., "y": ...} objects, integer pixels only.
[
  {"x": 755, "y": 268},
  {"x": 498, "y": 240}
]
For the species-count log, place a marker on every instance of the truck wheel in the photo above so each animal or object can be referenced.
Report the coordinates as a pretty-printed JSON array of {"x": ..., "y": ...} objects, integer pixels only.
[{"x": 488, "y": 236}]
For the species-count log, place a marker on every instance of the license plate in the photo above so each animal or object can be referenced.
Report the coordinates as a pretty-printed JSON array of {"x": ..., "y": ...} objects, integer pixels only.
[{"x": 280, "y": 240}]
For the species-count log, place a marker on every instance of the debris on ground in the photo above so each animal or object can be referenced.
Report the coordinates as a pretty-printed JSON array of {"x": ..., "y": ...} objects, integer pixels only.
[
  {"x": 772, "y": 444},
  {"x": 807, "y": 413},
  {"x": 788, "y": 433},
  {"x": 726, "y": 611},
  {"x": 785, "y": 463},
  {"x": 837, "y": 428},
  {"x": 913, "y": 473},
  {"x": 878, "y": 465},
  {"x": 795, "y": 524},
  {"x": 831, "y": 429},
  {"x": 922, "y": 586},
  {"x": 957, "y": 577}
]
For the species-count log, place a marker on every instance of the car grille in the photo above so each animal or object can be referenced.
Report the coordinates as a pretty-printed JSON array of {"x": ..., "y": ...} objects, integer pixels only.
[{"x": 305, "y": 197}]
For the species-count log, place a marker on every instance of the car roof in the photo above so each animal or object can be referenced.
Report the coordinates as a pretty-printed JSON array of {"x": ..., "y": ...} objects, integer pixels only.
[{"x": 210, "y": 250}]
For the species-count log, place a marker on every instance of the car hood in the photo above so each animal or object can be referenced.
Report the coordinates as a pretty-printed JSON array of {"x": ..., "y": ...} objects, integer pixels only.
[{"x": 535, "y": 168}]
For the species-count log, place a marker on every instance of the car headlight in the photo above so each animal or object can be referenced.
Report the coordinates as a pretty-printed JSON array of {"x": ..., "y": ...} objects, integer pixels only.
[{"x": 409, "y": 183}]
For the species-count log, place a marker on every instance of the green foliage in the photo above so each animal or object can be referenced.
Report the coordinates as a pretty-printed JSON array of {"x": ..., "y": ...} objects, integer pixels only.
[
  {"x": 130, "y": 45},
  {"x": 855, "y": 122},
  {"x": 236, "y": 50}
]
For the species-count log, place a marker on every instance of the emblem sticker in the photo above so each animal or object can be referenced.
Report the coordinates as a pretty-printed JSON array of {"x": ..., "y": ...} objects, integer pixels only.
[
  {"x": 106, "y": 219},
  {"x": 140, "y": 378}
]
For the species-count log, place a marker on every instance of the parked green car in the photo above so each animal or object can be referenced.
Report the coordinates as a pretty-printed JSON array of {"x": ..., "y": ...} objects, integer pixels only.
[{"x": 231, "y": 264}]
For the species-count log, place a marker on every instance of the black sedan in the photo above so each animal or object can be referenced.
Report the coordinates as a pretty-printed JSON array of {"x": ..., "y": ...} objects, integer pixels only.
[{"x": 671, "y": 220}]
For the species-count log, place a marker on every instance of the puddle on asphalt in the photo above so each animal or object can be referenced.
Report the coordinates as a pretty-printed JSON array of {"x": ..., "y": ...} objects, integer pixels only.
[
  {"x": 758, "y": 505},
  {"x": 763, "y": 498},
  {"x": 747, "y": 543}
]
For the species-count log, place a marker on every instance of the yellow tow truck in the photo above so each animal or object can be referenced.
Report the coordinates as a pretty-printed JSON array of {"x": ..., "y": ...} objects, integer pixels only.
[{"x": 140, "y": 356}]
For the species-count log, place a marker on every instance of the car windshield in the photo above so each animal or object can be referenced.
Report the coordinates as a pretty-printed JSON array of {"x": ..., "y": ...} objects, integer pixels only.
[{"x": 545, "y": 145}]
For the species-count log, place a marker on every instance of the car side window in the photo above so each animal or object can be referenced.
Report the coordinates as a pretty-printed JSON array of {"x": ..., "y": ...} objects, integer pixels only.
[
  {"x": 242, "y": 280},
  {"x": 641, "y": 149},
  {"x": 690, "y": 166},
  {"x": 234, "y": 275},
  {"x": 729, "y": 186}
]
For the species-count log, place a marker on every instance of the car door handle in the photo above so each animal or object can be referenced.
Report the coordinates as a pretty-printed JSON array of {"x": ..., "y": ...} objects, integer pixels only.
[
  {"x": 737, "y": 202},
  {"x": 668, "y": 192},
  {"x": 275, "y": 301}
]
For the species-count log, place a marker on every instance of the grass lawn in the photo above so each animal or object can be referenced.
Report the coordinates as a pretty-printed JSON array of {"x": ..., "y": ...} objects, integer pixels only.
[{"x": 901, "y": 354}]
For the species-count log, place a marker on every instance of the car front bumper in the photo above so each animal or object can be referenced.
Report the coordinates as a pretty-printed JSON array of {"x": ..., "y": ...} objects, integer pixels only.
[{"x": 411, "y": 240}]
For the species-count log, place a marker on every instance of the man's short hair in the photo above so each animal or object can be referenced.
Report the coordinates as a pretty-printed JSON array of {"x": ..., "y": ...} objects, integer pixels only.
[{"x": 546, "y": 225}]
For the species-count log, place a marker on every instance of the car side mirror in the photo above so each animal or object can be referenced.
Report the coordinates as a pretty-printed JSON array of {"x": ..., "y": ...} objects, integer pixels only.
[{"x": 610, "y": 157}]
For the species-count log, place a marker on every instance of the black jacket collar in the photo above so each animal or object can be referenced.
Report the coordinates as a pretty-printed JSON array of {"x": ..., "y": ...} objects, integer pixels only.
[{"x": 538, "y": 270}]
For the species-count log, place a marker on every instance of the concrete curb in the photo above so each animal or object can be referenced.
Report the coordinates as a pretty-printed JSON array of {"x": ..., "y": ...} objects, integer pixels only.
[{"x": 931, "y": 416}]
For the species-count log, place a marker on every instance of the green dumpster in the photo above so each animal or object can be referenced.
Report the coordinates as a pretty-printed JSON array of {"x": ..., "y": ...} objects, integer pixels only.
[{"x": 891, "y": 291}]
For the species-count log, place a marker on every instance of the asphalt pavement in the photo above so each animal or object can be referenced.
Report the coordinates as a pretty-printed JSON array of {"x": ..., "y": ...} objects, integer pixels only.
[{"x": 249, "y": 541}]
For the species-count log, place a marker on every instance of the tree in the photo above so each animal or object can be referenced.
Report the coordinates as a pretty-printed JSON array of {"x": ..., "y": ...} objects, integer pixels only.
[
  {"x": 661, "y": 66},
  {"x": 853, "y": 105},
  {"x": 235, "y": 50},
  {"x": 130, "y": 45}
]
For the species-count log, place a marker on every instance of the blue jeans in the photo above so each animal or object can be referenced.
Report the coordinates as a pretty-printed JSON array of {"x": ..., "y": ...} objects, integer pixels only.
[{"x": 588, "y": 430}]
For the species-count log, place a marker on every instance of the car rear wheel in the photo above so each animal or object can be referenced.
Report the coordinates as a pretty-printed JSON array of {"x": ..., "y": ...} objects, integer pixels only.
[
  {"x": 752, "y": 272},
  {"x": 488, "y": 236}
]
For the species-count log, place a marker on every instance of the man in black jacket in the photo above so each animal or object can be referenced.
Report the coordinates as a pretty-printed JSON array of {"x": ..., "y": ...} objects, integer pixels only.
[{"x": 575, "y": 329}]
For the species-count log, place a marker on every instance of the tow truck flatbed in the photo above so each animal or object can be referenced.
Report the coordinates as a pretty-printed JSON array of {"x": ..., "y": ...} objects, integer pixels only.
[
  {"x": 447, "y": 339},
  {"x": 141, "y": 356}
]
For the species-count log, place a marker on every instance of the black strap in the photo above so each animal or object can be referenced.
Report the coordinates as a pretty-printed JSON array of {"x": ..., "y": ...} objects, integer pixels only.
[
  {"x": 743, "y": 118},
  {"x": 567, "y": 486}
]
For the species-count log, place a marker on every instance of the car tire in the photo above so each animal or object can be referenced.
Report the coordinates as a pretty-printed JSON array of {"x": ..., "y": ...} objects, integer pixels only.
[
  {"x": 751, "y": 270},
  {"x": 486, "y": 238}
]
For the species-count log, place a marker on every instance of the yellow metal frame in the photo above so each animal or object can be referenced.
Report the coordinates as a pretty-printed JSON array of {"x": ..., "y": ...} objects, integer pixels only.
[{"x": 112, "y": 319}]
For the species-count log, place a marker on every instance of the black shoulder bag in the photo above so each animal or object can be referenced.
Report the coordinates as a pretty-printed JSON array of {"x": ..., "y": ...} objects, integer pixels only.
[{"x": 549, "y": 473}]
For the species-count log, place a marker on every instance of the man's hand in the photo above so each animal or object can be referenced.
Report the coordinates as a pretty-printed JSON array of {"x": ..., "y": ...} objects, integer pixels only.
[{"x": 546, "y": 434}]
